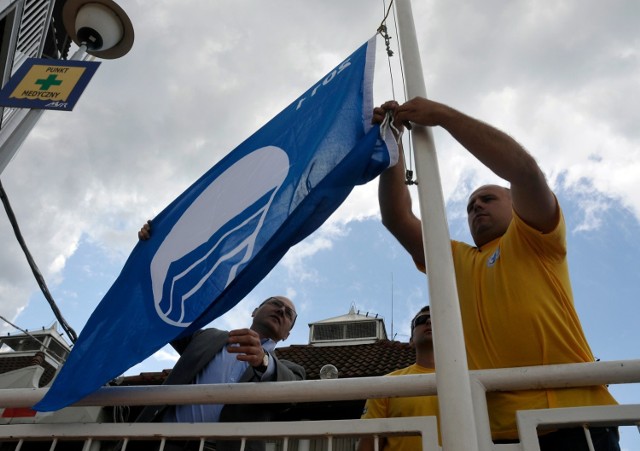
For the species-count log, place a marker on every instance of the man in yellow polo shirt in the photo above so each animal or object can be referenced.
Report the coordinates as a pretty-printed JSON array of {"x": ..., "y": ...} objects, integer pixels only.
[
  {"x": 515, "y": 295},
  {"x": 415, "y": 406}
]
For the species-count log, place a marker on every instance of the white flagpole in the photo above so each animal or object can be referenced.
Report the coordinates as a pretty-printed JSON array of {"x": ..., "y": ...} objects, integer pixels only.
[{"x": 457, "y": 421}]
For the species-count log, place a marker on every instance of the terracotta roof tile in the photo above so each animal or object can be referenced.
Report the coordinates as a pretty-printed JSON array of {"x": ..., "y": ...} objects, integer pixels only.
[
  {"x": 147, "y": 378},
  {"x": 375, "y": 359}
]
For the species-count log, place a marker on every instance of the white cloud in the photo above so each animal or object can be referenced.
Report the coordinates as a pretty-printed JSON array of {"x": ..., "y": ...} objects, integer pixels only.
[
  {"x": 561, "y": 77},
  {"x": 166, "y": 355},
  {"x": 293, "y": 261},
  {"x": 202, "y": 76}
]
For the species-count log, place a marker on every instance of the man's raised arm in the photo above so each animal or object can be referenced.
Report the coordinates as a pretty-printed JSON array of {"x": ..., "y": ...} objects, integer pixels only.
[
  {"x": 395, "y": 201},
  {"x": 532, "y": 198}
]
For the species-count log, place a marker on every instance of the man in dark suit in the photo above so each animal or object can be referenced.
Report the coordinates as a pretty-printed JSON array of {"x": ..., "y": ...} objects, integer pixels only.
[{"x": 212, "y": 356}]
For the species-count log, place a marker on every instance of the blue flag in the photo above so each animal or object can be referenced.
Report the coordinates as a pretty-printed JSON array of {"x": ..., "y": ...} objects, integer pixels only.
[{"x": 214, "y": 243}]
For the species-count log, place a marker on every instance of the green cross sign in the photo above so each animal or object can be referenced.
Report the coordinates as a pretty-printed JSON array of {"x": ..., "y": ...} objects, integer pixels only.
[
  {"x": 46, "y": 83},
  {"x": 42, "y": 83}
]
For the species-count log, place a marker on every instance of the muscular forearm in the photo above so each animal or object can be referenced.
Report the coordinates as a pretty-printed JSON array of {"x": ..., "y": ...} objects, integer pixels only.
[
  {"x": 532, "y": 198},
  {"x": 395, "y": 209},
  {"x": 393, "y": 194},
  {"x": 494, "y": 148}
]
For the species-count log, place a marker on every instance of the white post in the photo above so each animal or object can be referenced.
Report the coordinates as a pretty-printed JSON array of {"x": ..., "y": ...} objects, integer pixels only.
[
  {"x": 17, "y": 131},
  {"x": 457, "y": 422}
]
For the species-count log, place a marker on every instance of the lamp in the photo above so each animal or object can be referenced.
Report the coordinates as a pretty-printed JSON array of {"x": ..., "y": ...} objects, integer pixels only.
[
  {"x": 100, "y": 25},
  {"x": 328, "y": 371}
]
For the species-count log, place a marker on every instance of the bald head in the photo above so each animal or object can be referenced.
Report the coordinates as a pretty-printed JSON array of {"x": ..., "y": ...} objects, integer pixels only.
[{"x": 489, "y": 213}]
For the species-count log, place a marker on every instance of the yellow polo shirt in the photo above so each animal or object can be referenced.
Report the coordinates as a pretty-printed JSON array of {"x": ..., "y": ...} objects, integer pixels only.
[
  {"x": 517, "y": 310},
  {"x": 414, "y": 406}
]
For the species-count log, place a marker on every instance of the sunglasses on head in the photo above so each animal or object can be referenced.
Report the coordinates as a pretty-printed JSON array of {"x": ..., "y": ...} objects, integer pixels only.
[{"x": 420, "y": 319}]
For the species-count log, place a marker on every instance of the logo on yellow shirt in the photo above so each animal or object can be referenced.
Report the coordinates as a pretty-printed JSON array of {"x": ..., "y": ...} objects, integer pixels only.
[{"x": 494, "y": 258}]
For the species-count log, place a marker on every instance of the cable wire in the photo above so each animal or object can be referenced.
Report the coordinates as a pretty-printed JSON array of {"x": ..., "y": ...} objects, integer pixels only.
[
  {"x": 34, "y": 268},
  {"x": 26, "y": 332}
]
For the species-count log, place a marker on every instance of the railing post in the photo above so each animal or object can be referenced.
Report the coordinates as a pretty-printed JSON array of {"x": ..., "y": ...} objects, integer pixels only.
[{"x": 481, "y": 413}]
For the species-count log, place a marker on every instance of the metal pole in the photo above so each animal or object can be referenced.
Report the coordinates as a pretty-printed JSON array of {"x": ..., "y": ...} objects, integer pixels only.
[
  {"x": 457, "y": 422},
  {"x": 23, "y": 123}
]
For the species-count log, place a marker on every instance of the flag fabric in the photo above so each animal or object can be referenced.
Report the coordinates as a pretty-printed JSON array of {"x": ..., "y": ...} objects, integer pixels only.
[{"x": 214, "y": 243}]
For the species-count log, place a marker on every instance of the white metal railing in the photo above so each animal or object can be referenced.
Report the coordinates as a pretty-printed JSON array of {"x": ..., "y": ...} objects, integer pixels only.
[
  {"x": 562, "y": 376},
  {"x": 507, "y": 379},
  {"x": 530, "y": 421},
  {"x": 426, "y": 427}
]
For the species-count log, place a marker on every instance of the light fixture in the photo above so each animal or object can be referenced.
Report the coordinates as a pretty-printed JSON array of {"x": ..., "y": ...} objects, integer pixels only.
[
  {"x": 328, "y": 371},
  {"x": 100, "y": 25}
]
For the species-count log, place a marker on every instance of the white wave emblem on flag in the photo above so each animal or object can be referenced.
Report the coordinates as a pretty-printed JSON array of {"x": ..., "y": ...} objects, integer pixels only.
[{"x": 256, "y": 176}]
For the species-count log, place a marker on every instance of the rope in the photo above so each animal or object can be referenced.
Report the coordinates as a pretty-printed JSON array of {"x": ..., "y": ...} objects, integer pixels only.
[{"x": 383, "y": 31}]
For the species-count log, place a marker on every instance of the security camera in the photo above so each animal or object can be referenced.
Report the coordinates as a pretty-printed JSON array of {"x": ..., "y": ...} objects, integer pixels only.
[{"x": 100, "y": 25}]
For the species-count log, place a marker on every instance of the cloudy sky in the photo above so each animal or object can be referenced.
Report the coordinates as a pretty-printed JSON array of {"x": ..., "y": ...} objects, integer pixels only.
[{"x": 563, "y": 78}]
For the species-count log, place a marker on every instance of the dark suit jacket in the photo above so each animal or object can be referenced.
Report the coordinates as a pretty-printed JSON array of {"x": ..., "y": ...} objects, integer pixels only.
[{"x": 196, "y": 351}]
